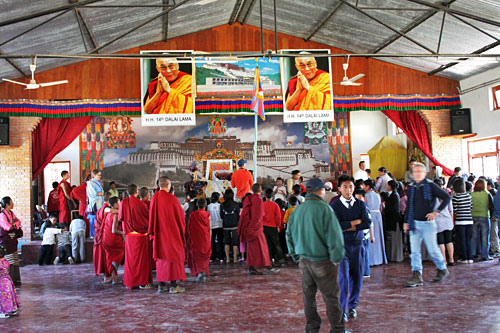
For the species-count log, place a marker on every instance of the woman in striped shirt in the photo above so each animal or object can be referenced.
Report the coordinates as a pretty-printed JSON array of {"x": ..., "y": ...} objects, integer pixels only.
[{"x": 462, "y": 206}]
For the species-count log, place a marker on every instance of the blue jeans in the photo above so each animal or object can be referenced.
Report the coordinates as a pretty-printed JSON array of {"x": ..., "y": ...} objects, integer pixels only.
[
  {"x": 426, "y": 231},
  {"x": 91, "y": 225},
  {"x": 366, "y": 264},
  {"x": 481, "y": 236}
]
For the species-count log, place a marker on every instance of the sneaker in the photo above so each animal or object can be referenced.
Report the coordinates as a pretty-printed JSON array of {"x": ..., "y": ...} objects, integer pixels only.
[
  {"x": 416, "y": 280},
  {"x": 56, "y": 260},
  {"x": 366, "y": 276},
  {"x": 352, "y": 313},
  {"x": 440, "y": 275},
  {"x": 176, "y": 290},
  {"x": 4, "y": 315},
  {"x": 148, "y": 286},
  {"x": 162, "y": 289},
  {"x": 462, "y": 261},
  {"x": 71, "y": 261},
  {"x": 13, "y": 313},
  {"x": 201, "y": 278},
  {"x": 470, "y": 261},
  {"x": 487, "y": 259}
]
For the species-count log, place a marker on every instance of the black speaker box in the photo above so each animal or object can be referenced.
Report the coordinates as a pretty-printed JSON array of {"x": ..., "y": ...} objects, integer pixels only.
[
  {"x": 4, "y": 131},
  {"x": 460, "y": 121}
]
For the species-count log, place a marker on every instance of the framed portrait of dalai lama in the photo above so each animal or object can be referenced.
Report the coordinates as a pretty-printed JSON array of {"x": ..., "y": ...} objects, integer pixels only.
[
  {"x": 167, "y": 88},
  {"x": 307, "y": 86}
]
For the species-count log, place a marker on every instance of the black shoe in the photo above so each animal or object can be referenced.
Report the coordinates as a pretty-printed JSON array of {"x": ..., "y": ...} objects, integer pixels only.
[
  {"x": 416, "y": 280},
  {"x": 441, "y": 275},
  {"x": 451, "y": 264},
  {"x": 254, "y": 272},
  {"x": 487, "y": 259},
  {"x": 352, "y": 313},
  {"x": 346, "y": 318}
]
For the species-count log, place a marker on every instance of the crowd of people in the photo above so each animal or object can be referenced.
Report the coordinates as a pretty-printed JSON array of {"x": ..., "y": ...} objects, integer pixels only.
[{"x": 334, "y": 230}]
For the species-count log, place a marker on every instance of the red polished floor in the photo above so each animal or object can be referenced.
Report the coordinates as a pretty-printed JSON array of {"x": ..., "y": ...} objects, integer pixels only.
[{"x": 70, "y": 298}]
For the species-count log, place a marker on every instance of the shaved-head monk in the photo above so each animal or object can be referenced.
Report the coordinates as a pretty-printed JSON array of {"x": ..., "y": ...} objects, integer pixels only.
[
  {"x": 99, "y": 254},
  {"x": 134, "y": 216},
  {"x": 113, "y": 240},
  {"x": 79, "y": 193},
  {"x": 64, "y": 194},
  {"x": 310, "y": 88},
  {"x": 251, "y": 231},
  {"x": 167, "y": 229},
  {"x": 170, "y": 92},
  {"x": 199, "y": 236}
]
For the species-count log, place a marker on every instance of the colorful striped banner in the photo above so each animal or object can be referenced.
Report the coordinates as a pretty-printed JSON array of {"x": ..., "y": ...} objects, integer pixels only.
[{"x": 65, "y": 109}]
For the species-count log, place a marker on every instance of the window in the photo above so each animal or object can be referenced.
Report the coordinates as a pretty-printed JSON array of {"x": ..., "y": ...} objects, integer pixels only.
[
  {"x": 484, "y": 157},
  {"x": 366, "y": 158},
  {"x": 496, "y": 97}
]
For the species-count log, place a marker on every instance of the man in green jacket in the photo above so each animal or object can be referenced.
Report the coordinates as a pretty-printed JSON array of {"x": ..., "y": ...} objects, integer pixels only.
[{"x": 315, "y": 239}]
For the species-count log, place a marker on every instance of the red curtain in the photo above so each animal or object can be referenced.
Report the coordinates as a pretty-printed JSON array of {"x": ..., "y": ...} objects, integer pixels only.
[
  {"x": 416, "y": 129},
  {"x": 51, "y": 136}
]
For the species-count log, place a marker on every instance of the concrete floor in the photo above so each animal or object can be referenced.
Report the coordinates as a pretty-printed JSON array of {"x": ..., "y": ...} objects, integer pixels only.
[{"x": 72, "y": 299}]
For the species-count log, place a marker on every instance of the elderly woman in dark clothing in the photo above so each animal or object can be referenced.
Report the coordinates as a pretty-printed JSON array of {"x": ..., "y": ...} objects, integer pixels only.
[{"x": 393, "y": 224}]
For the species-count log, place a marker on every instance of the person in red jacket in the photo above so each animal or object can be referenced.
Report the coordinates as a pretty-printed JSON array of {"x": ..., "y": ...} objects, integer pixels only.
[
  {"x": 199, "y": 247},
  {"x": 251, "y": 232},
  {"x": 242, "y": 180},
  {"x": 272, "y": 225}
]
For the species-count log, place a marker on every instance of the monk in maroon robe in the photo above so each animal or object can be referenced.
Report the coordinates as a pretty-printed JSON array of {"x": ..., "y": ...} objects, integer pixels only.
[
  {"x": 251, "y": 231},
  {"x": 53, "y": 200},
  {"x": 79, "y": 193},
  {"x": 166, "y": 228},
  {"x": 99, "y": 255},
  {"x": 134, "y": 216},
  {"x": 113, "y": 241},
  {"x": 64, "y": 194},
  {"x": 199, "y": 248}
]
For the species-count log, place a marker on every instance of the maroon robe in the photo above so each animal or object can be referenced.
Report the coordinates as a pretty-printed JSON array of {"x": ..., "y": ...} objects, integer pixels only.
[
  {"x": 79, "y": 193},
  {"x": 251, "y": 231},
  {"x": 113, "y": 244},
  {"x": 53, "y": 201},
  {"x": 64, "y": 213},
  {"x": 134, "y": 216},
  {"x": 199, "y": 248},
  {"x": 166, "y": 228},
  {"x": 99, "y": 255}
]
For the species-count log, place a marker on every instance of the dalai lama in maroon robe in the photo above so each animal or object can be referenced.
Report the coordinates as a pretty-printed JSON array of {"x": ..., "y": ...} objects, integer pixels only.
[
  {"x": 134, "y": 216},
  {"x": 251, "y": 231},
  {"x": 166, "y": 228}
]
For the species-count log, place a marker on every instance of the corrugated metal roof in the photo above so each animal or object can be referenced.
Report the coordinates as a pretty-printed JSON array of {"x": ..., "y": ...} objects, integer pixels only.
[{"x": 347, "y": 29}]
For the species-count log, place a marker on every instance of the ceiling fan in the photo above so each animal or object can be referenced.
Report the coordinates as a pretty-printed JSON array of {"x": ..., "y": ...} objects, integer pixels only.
[
  {"x": 33, "y": 84},
  {"x": 350, "y": 82}
]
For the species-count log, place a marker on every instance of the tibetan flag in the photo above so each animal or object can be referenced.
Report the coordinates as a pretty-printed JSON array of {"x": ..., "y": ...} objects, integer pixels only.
[{"x": 258, "y": 96}]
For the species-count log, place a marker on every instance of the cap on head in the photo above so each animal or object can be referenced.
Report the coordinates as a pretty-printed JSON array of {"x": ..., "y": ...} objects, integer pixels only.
[
  {"x": 314, "y": 184},
  {"x": 242, "y": 162},
  {"x": 328, "y": 185}
]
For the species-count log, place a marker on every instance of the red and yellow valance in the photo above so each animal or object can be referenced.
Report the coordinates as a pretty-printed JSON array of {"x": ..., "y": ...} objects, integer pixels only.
[{"x": 81, "y": 108}]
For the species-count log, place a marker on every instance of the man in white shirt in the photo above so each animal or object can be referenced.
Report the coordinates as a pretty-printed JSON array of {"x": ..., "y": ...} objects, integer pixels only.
[
  {"x": 77, "y": 229},
  {"x": 382, "y": 181},
  {"x": 47, "y": 247},
  {"x": 361, "y": 173}
]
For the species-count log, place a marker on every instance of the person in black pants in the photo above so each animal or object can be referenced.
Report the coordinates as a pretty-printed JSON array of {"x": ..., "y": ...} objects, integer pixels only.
[{"x": 353, "y": 217}]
